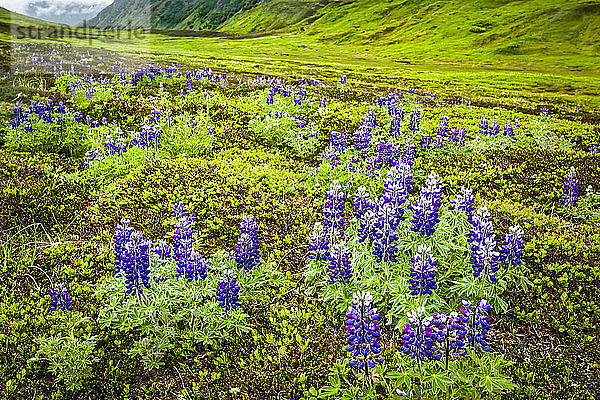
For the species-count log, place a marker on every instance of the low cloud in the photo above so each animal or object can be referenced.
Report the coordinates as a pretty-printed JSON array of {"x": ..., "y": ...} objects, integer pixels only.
[{"x": 63, "y": 11}]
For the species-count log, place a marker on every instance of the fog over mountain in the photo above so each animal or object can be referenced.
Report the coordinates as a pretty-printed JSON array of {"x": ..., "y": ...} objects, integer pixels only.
[{"x": 71, "y": 12}]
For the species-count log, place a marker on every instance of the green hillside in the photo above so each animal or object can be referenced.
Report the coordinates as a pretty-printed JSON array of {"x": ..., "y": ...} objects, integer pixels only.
[
  {"x": 10, "y": 17},
  {"x": 169, "y": 14},
  {"x": 275, "y": 14},
  {"x": 555, "y": 28}
]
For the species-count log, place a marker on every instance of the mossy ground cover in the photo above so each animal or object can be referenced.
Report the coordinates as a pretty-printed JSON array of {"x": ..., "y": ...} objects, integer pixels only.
[{"x": 59, "y": 217}]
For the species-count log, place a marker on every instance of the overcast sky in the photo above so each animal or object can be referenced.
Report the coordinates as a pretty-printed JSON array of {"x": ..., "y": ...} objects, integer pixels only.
[{"x": 70, "y": 12}]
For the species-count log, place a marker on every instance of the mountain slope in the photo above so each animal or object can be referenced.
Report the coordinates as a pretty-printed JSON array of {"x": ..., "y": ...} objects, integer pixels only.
[
  {"x": 169, "y": 14},
  {"x": 501, "y": 26},
  {"x": 12, "y": 17},
  {"x": 275, "y": 14}
]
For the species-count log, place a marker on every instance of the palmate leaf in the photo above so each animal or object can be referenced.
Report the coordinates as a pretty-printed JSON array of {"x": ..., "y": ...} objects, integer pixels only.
[
  {"x": 465, "y": 287},
  {"x": 496, "y": 384},
  {"x": 399, "y": 378},
  {"x": 327, "y": 391},
  {"x": 439, "y": 381}
]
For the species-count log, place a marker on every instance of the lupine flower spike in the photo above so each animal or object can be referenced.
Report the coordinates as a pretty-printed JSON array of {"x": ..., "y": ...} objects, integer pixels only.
[
  {"x": 136, "y": 264},
  {"x": 362, "y": 202},
  {"x": 333, "y": 211},
  {"x": 464, "y": 202},
  {"x": 363, "y": 333},
  {"x": 426, "y": 209},
  {"x": 339, "y": 266},
  {"x": 477, "y": 323},
  {"x": 228, "y": 290},
  {"x": 384, "y": 233},
  {"x": 318, "y": 247},
  {"x": 422, "y": 272},
  {"x": 571, "y": 188},
  {"x": 247, "y": 251},
  {"x": 512, "y": 247},
  {"x": 61, "y": 297},
  {"x": 122, "y": 235},
  {"x": 484, "y": 255},
  {"x": 450, "y": 331},
  {"x": 418, "y": 337}
]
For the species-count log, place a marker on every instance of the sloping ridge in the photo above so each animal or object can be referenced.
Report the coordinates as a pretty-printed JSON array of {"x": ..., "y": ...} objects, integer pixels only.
[{"x": 169, "y": 14}]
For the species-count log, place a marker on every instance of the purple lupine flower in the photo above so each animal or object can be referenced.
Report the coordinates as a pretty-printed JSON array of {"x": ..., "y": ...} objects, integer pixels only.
[
  {"x": 299, "y": 97},
  {"x": 426, "y": 140},
  {"x": 387, "y": 154},
  {"x": 318, "y": 247},
  {"x": 323, "y": 102},
  {"x": 408, "y": 153},
  {"x": 183, "y": 241},
  {"x": 332, "y": 155},
  {"x": 362, "y": 202},
  {"x": 458, "y": 136},
  {"x": 494, "y": 128},
  {"x": 246, "y": 252},
  {"x": 433, "y": 188},
  {"x": 442, "y": 132},
  {"x": 27, "y": 126},
  {"x": 121, "y": 237},
  {"x": 150, "y": 134},
  {"x": 339, "y": 263},
  {"x": 422, "y": 272},
  {"x": 61, "y": 297},
  {"x": 362, "y": 332},
  {"x": 18, "y": 116},
  {"x": 395, "y": 110},
  {"x": 228, "y": 290},
  {"x": 115, "y": 147},
  {"x": 343, "y": 78},
  {"x": 483, "y": 126},
  {"x": 450, "y": 331},
  {"x": 366, "y": 227},
  {"x": 484, "y": 255},
  {"x": 426, "y": 209},
  {"x": 418, "y": 338},
  {"x": 508, "y": 129},
  {"x": 136, "y": 263},
  {"x": 196, "y": 266},
  {"x": 162, "y": 250},
  {"x": 397, "y": 186},
  {"x": 333, "y": 211},
  {"x": 415, "y": 120},
  {"x": 339, "y": 141},
  {"x": 92, "y": 157},
  {"x": 179, "y": 210},
  {"x": 476, "y": 323},
  {"x": 512, "y": 247},
  {"x": 409, "y": 396},
  {"x": 384, "y": 232},
  {"x": 464, "y": 201},
  {"x": 571, "y": 188},
  {"x": 300, "y": 122},
  {"x": 396, "y": 124},
  {"x": 362, "y": 137},
  {"x": 248, "y": 225},
  {"x": 425, "y": 217}
]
